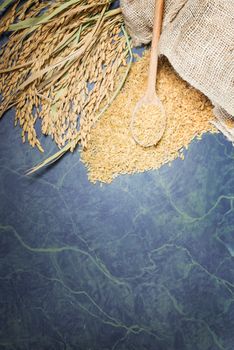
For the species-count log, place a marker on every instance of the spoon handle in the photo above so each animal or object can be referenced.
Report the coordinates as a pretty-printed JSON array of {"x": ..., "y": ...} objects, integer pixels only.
[{"x": 153, "y": 67}]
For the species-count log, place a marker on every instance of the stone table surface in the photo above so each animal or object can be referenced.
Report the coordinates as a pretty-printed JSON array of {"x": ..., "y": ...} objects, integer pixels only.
[{"x": 145, "y": 263}]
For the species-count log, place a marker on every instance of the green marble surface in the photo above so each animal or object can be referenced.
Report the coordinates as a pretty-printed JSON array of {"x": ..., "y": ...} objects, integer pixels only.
[{"x": 144, "y": 263}]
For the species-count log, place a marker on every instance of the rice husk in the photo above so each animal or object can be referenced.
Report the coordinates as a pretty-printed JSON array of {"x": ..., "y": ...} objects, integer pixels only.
[{"x": 112, "y": 150}]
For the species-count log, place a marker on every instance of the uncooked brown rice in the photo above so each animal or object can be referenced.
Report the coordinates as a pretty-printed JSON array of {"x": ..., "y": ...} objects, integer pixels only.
[
  {"x": 112, "y": 150},
  {"x": 148, "y": 124}
]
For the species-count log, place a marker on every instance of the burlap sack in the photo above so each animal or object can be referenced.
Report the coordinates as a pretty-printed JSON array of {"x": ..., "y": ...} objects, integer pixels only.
[{"x": 198, "y": 39}]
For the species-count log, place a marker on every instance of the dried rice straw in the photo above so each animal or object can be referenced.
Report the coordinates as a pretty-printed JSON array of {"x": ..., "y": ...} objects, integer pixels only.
[{"x": 55, "y": 53}]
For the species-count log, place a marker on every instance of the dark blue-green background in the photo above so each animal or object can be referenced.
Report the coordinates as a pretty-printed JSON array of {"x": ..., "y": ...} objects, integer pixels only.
[{"x": 145, "y": 263}]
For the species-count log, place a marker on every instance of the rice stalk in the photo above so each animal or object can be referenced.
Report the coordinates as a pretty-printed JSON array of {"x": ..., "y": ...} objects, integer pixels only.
[
  {"x": 71, "y": 145},
  {"x": 59, "y": 67}
]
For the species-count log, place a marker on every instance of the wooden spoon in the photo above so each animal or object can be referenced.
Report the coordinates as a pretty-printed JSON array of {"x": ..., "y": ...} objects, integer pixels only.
[{"x": 149, "y": 114}]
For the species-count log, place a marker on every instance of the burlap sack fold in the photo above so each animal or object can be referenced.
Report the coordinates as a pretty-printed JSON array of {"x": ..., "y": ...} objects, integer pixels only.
[{"x": 198, "y": 39}]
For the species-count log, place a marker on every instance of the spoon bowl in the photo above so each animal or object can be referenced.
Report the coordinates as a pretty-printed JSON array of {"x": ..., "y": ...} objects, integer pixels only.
[{"x": 148, "y": 121}]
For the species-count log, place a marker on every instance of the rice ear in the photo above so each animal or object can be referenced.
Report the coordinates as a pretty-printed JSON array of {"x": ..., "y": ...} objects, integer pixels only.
[
  {"x": 6, "y": 3},
  {"x": 52, "y": 159},
  {"x": 51, "y": 61},
  {"x": 71, "y": 145}
]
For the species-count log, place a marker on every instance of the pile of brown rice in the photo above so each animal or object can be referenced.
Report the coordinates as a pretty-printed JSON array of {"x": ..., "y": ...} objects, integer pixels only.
[{"x": 112, "y": 150}]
